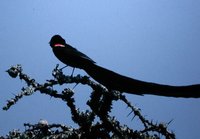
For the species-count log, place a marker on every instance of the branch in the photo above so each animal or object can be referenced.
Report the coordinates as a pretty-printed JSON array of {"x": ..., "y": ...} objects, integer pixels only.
[{"x": 100, "y": 104}]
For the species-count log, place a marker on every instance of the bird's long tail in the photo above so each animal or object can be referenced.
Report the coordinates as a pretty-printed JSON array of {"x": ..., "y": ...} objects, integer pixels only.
[{"x": 115, "y": 81}]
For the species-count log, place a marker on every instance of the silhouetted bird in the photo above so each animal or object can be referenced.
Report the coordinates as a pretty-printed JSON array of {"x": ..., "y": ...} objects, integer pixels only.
[{"x": 114, "y": 81}]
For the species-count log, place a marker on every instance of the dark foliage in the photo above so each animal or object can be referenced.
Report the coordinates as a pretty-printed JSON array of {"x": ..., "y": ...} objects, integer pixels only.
[{"x": 100, "y": 104}]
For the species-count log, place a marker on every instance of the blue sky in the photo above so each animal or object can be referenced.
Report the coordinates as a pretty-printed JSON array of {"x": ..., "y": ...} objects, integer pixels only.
[{"x": 156, "y": 41}]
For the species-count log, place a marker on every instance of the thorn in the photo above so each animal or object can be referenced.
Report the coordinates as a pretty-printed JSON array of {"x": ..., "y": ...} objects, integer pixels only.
[
  {"x": 133, "y": 117},
  {"x": 14, "y": 94},
  {"x": 129, "y": 113},
  {"x": 170, "y": 121}
]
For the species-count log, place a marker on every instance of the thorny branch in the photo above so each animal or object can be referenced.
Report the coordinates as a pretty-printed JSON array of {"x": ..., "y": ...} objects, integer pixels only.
[{"x": 100, "y": 103}]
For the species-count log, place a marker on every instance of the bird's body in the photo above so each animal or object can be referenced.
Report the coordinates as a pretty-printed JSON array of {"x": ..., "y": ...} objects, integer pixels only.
[
  {"x": 114, "y": 81},
  {"x": 74, "y": 58},
  {"x": 68, "y": 54}
]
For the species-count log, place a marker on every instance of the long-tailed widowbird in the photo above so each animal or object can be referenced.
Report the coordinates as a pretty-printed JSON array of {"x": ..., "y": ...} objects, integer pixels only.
[{"x": 114, "y": 81}]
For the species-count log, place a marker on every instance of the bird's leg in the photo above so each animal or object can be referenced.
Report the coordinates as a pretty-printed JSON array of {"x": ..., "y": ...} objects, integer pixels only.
[
  {"x": 63, "y": 67},
  {"x": 72, "y": 72},
  {"x": 75, "y": 85}
]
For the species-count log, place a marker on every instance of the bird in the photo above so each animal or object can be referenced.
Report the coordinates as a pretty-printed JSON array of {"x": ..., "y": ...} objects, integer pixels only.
[{"x": 115, "y": 81}]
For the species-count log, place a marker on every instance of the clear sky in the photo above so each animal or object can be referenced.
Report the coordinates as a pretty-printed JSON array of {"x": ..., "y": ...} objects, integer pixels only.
[{"x": 150, "y": 40}]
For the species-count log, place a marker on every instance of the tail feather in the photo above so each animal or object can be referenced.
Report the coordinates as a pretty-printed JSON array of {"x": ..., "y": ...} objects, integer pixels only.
[{"x": 115, "y": 81}]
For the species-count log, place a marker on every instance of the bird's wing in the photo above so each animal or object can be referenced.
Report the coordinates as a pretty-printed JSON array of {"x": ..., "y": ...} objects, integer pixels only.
[{"x": 73, "y": 51}]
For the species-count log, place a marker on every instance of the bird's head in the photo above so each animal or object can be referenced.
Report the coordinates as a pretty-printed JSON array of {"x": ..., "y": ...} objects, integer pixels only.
[{"x": 57, "y": 41}]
